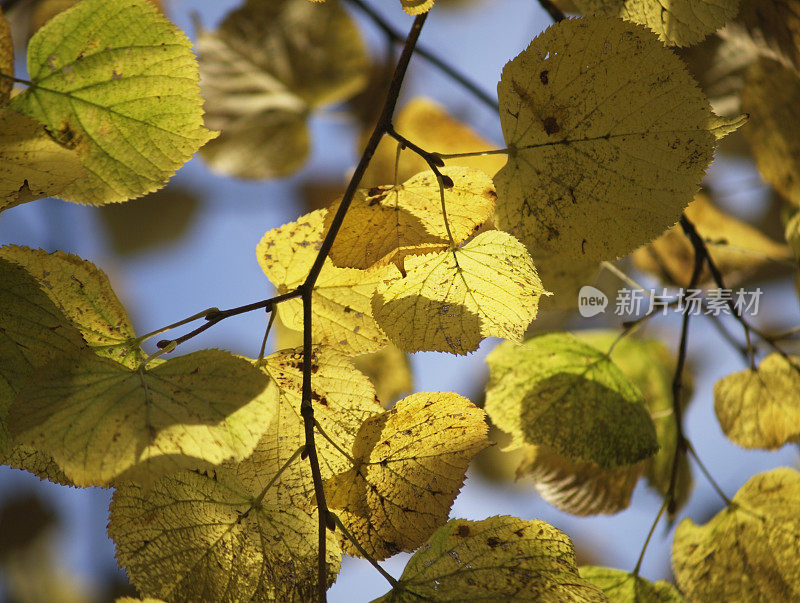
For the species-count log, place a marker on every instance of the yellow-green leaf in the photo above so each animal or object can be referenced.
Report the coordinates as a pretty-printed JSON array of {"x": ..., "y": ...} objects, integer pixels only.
[
  {"x": 622, "y": 587},
  {"x": 555, "y": 390},
  {"x": 748, "y": 551},
  {"x": 761, "y": 408},
  {"x": 118, "y": 83},
  {"x": 6, "y": 59},
  {"x": 579, "y": 488},
  {"x": 264, "y": 70},
  {"x": 341, "y": 301},
  {"x": 40, "y": 464},
  {"x": 416, "y": 7},
  {"x": 383, "y": 219},
  {"x": 389, "y": 370},
  {"x": 677, "y": 22},
  {"x": 98, "y": 418},
  {"x": 82, "y": 292},
  {"x": 410, "y": 463},
  {"x": 608, "y": 137},
  {"x": 500, "y": 558},
  {"x": 32, "y": 164},
  {"x": 450, "y": 301}
]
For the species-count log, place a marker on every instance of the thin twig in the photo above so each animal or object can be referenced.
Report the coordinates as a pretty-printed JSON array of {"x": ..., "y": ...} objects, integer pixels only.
[
  {"x": 556, "y": 14},
  {"x": 710, "y": 479},
  {"x": 647, "y": 540},
  {"x": 363, "y": 552}
]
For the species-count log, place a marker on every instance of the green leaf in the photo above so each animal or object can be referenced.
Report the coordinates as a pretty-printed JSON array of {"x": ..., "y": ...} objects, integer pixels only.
[
  {"x": 748, "y": 551},
  {"x": 118, "y": 83},
  {"x": 622, "y": 587},
  {"x": 557, "y": 391},
  {"x": 98, "y": 418},
  {"x": 500, "y": 558},
  {"x": 608, "y": 137}
]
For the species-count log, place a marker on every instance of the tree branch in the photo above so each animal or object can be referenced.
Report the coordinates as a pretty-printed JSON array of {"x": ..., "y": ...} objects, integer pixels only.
[{"x": 556, "y": 14}]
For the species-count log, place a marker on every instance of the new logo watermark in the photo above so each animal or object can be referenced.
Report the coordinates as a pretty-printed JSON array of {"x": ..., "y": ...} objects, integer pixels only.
[
  {"x": 591, "y": 301},
  {"x": 635, "y": 302}
]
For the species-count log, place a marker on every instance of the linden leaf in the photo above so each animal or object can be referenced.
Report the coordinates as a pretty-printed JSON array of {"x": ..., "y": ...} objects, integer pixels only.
[
  {"x": 450, "y": 301},
  {"x": 266, "y": 67},
  {"x": 41, "y": 465},
  {"x": 564, "y": 277},
  {"x": 342, "y": 397},
  {"x": 600, "y": 97},
  {"x": 555, "y": 390},
  {"x": 677, "y": 23},
  {"x": 383, "y": 219},
  {"x": 240, "y": 532},
  {"x": 579, "y": 488},
  {"x": 118, "y": 83},
  {"x": 97, "y": 418},
  {"x": 430, "y": 126},
  {"x": 44, "y": 10},
  {"x": 389, "y": 370},
  {"x": 341, "y": 301},
  {"x": 748, "y": 551},
  {"x": 6, "y": 60},
  {"x": 738, "y": 249},
  {"x": 410, "y": 463},
  {"x": 761, "y": 408},
  {"x": 501, "y": 558},
  {"x": 416, "y": 7},
  {"x": 770, "y": 93},
  {"x": 32, "y": 164},
  {"x": 82, "y": 292},
  {"x": 622, "y": 587}
]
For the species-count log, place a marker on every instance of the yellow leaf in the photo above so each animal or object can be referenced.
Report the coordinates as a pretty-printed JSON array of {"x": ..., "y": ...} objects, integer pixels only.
[
  {"x": 82, "y": 292},
  {"x": 383, "y": 219},
  {"x": 579, "y": 488},
  {"x": 416, "y": 7},
  {"x": 97, "y": 418},
  {"x": 44, "y": 10},
  {"x": 622, "y": 587},
  {"x": 738, "y": 249},
  {"x": 450, "y": 301},
  {"x": 341, "y": 301},
  {"x": 389, "y": 370},
  {"x": 556, "y": 391},
  {"x": 410, "y": 463},
  {"x": 501, "y": 558},
  {"x": 608, "y": 139},
  {"x": 748, "y": 551},
  {"x": 772, "y": 27},
  {"x": 6, "y": 60},
  {"x": 677, "y": 23},
  {"x": 342, "y": 398},
  {"x": 32, "y": 164},
  {"x": 770, "y": 94},
  {"x": 431, "y": 127},
  {"x": 564, "y": 277},
  {"x": 40, "y": 464},
  {"x": 117, "y": 83},
  {"x": 761, "y": 408},
  {"x": 264, "y": 70}
]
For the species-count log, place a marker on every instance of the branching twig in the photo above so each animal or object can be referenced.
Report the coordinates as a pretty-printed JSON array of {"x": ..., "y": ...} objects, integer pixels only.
[{"x": 555, "y": 13}]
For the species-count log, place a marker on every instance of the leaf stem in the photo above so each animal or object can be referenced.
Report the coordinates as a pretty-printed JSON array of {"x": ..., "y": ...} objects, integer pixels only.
[
  {"x": 334, "y": 444},
  {"x": 556, "y": 14},
  {"x": 284, "y": 467},
  {"x": 710, "y": 479},
  {"x": 647, "y": 540},
  {"x": 266, "y": 336},
  {"x": 471, "y": 154},
  {"x": 364, "y": 553},
  {"x": 17, "y": 80}
]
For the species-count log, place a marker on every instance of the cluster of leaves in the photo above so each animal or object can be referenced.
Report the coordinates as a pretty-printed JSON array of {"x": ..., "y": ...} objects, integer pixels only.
[{"x": 608, "y": 136}]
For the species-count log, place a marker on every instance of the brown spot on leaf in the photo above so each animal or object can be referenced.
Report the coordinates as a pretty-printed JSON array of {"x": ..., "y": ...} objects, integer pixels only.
[
  {"x": 543, "y": 77},
  {"x": 551, "y": 125},
  {"x": 492, "y": 541},
  {"x": 463, "y": 531}
]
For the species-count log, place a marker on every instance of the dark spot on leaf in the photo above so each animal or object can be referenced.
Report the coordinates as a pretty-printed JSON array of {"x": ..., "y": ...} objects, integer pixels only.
[
  {"x": 543, "y": 77},
  {"x": 493, "y": 541},
  {"x": 463, "y": 531},
  {"x": 551, "y": 125}
]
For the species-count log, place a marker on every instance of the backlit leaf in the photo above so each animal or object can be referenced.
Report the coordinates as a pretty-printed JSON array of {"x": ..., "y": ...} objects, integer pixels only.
[
  {"x": 677, "y": 22},
  {"x": 450, "y": 301},
  {"x": 416, "y": 7},
  {"x": 98, "y": 418},
  {"x": 6, "y": 59},
  {"x": 117, "y": 83},
  {"x": 389, "y": 370},
  {"x": 383, "y": 219},
  {"x": 40, "y": 464},
  {"x": 32, "y": 164},
  {"x": 500, "y": 558},
  {"x": 622, "y": 587},
  {"x": 563, "y": 276},
  {"x": 608, "y": 139},
  {"x": 410, "y": 465},
  {"x": 264, "y": 70},
  {"x": 771, "y": 26},
  {"x": 341, "y": 302},
  {"x": 82, "y": 292},
  {"x": 557, "y": 391},
  {"x": 761, "y": 408},
  {"x": 748, "y": 551}
]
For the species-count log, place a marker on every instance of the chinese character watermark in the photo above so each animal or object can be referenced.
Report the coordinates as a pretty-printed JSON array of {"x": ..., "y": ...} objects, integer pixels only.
[{"x": 636, "y": 302}]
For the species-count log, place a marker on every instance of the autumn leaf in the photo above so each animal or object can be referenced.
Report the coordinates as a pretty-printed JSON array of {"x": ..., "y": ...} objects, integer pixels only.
[
  {"x": 678, "y": 22},
  {"x": 556, "y": 391},
  {"x": 341, "y": 301},
  {"x": 117, "y": 83},
  {"x": 748, "y": 551},
  {"x": 384, "y": 219},
  {"x": 608, "y": 138},
  {"x": 32, "y": 164},
  {"x": 772, "y": 27},
  {"x": 40, "y": 464},
  {"x": 6, "y": 60},
  {"x": 622, "y": 587},
  {"x": 389, "y": 370},
  {"x": 264, "y": 70},
  {"x": 98, "y": 418},
  {"x": 450, "y": 301},
  {"x": 502, "y": 558},
  {"x": 409, "y": 464}
]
